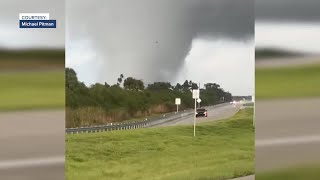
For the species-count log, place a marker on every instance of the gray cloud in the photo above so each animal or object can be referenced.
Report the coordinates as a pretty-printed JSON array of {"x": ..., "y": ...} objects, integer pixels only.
[
  {"x": 150, "y": 39},
  {"x": 288, "y": 10}
]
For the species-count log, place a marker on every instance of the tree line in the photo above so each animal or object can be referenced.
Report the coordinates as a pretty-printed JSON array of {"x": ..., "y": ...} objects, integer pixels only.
[{"x": 131, "y": 98}]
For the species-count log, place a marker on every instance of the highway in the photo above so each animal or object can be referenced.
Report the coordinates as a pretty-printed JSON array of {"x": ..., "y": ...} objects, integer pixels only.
[
  {"x": 287, "y": 133},
  {"x": 287, "y": 130},
  {"x": 217, "y": 112},
  {"x": 32, "y": 145}
]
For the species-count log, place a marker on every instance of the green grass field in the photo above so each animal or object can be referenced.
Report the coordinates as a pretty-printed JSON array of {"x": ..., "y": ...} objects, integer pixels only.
[
  {"x": 291, "y": 82},
  {"x": 221, "y": 150},
  {"x": 310, "y": 172},
  {"x": 32, "y": 90}
]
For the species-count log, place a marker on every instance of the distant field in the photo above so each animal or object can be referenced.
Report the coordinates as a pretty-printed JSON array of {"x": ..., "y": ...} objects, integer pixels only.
[
  {"x": 221, "y": 150},
  {"x": 275, "y": 53},
  {"x": 302, "y": 173},
  {"x": 32, "y": 90},
  {"x": 290, "y": 82},
  {"x": 33, "y": 59},
  {"x": 32, "y": 53},
  {"x": 31, "y": 64}
]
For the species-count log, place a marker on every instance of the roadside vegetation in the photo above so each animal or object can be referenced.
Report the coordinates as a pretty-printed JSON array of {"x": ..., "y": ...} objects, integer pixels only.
[
  {"x": 288, "y": 82},
  {"x": 275, "y": 53},
  {"x": 221, "y": 150},
  {"x": 130, "y": 98}
]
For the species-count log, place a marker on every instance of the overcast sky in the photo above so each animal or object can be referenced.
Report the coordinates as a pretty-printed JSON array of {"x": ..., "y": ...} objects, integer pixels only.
[
  {"x": 165, "y": 40},
  {"x": 11, "y": 36},
  {"x": 288, "y": 24},
  {"x": 203, "y": 41}
]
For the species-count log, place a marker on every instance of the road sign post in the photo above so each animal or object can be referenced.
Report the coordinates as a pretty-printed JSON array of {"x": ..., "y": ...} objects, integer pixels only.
[
  {"x": 178, "y": 102},
  {"x": 195, "y": 96}
]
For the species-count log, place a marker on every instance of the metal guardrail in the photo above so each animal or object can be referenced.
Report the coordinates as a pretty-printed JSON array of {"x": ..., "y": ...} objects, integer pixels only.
[
  {"x": 131, "y": 125},
  {"x": 136, "y": 124}
]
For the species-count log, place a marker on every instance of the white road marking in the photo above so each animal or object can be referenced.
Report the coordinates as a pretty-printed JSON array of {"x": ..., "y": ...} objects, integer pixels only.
[
  {"x": 288, "y": 141},
  {"x": 20, "y": 163}
]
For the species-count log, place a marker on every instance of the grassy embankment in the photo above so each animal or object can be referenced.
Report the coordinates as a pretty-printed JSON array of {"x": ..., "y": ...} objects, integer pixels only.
[
  {"x": 288, "y": 82},
  {"x": 32, "y": 79},
  {"x": 221, "y": 150},
  {"x": 32, "y": 90}
]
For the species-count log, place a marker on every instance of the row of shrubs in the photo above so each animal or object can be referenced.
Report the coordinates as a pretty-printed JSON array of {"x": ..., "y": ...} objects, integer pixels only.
[{"x": 102, "y": 103}]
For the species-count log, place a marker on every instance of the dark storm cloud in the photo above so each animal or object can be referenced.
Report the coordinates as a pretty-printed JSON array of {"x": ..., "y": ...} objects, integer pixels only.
[
  {"x": 225, "y": 18},
  {"x": 150, "y": 39},
  {"x": 288, "y": 10}
]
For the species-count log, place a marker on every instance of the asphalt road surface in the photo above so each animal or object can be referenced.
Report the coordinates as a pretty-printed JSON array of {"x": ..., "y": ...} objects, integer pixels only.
[
  {"x": 221, "y": 111},
  {"x": 32, "y": 145},
  {"x": 287, "y": 133}
]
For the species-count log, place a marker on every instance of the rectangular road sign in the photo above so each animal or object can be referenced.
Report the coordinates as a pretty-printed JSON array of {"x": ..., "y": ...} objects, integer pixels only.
[
  {"x": 178, "y": 101},
  {"x": 195, "y": 93}
]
